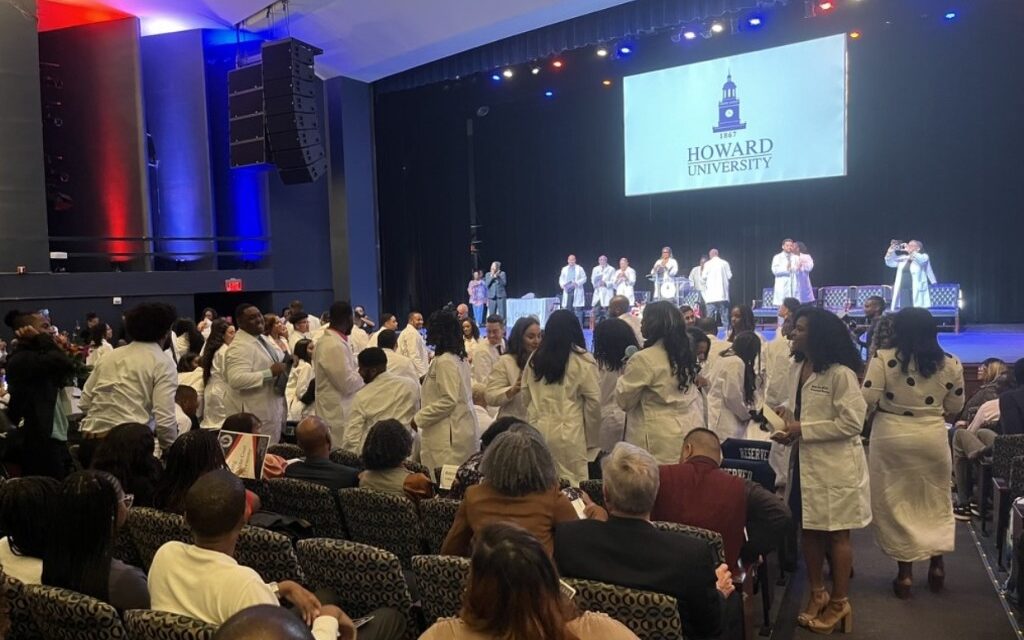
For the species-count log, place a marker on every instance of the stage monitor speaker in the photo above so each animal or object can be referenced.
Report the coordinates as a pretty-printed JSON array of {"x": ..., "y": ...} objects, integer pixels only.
[{"x": 246, "y": 116}]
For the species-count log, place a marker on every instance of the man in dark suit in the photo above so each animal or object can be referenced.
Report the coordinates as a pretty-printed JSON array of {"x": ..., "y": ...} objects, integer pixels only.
[
  {"x": 628, "y": 551},
  {"x": 314, "y": 437},
  {"x": 496, "y": 282}
]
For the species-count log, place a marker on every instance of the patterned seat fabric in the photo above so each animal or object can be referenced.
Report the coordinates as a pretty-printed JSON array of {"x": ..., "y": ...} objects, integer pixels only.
[
  {"x": 261, "y": 489},
  {"x": 436, "y": 517},
  {"x": 383, "y": 520},
  {"x": 835, "y": 298},
  {"x": 347, "y": 458},
  {"x": 868, "y": 290},
  {"x": 365, "y": 578},
  {"x": 151, "y": 528},
  {"x": 1016, "y": 481},
  {"x": 441, "y": 580},
  {"x": 270, "y": 554},
  {"x": 23, "y": 627},
  {"x": 765, "y": 307},
  {"x": 691, "y": 298},
  {"x": 1004, "y": 449},
  {"x": 309, "y": 501},
  {"x": 66, "y": 615},
  {"x": 713, "y": 538},
  {"x": 286, "y": 451},
  {"x": 144, "y": 624},
  {"x": 594, "y": 489},
  {"x": 651, "y": 616},
  {"x": 124, "y": 549},
  {"x": 944, "y": 295},
  {"x": 416, "y": 467}
]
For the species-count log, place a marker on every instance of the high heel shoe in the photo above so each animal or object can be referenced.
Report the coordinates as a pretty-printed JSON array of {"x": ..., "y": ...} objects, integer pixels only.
[
  {"x": 901, "y": 588},
  {"x": 817, "y": 603},
  {"x": 838, "y": 613},
  {"x": 936, "y": 579}
]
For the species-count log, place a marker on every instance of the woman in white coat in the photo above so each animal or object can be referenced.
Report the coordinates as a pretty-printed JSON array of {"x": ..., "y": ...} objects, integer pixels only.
[
  {"x": 829, "y": 488},
  {"x": 562, "y": 396},
  {"x": 658, "y": 389},
  {"x": 505, "y": 384},
  {"x": 913, "y": 275},
  {"x": 611, "y": 341},
  {"x": 298, "y": 381},
  {"x": 446, "y": 419},
  {"x": 215, "y": 389},
  {"x": 736, "y": 390}
]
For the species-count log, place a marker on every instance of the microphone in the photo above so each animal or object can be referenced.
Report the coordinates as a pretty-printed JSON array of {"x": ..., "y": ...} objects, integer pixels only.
[{"x": 630, "y": 352}]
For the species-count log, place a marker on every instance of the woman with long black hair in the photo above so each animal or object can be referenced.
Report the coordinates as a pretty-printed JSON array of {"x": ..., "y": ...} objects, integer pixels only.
[
  {"x": 562, "y": 395},
  {"x": 611, "y": 342},
  {"x": 658, "y": 389},
  {"x": 741, "y": 318},
  {"x": 212, "y": 361},
  {"x": 912, "y": 387},
  {"x": 127, "y": 454},
  {"x": 736, "y": 390},
  {"x": 505, "y": 384}
]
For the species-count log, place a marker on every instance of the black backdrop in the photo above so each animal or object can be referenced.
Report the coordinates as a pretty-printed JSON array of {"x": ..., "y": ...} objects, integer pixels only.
[{"x": 935, "y": 152}]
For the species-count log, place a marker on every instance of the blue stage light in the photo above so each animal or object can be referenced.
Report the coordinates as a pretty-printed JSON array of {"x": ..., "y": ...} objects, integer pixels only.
[
  {"x": 950, "y": 15},
  {"x": 549, "y": 93},
  {"x": 755, "y": 21},
  {"x": 496, "y": 77},
  {"x": 625, "y": 49}
]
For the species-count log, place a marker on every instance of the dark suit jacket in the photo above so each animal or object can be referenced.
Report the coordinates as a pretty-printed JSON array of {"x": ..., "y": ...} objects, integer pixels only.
[
  {"x": 36, "y": 372},
  {"x": 1011, "y": 411},
  {"x": 632, "y": 553},
  {"x": 332, "y": 475}
]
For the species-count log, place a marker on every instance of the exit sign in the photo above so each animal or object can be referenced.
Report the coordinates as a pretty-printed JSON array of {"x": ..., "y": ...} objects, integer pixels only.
[{"x": 233, "y": 285}]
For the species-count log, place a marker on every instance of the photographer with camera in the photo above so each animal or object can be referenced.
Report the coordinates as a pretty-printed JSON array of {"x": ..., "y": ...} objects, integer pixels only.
[{"x": 913, "y": 274}]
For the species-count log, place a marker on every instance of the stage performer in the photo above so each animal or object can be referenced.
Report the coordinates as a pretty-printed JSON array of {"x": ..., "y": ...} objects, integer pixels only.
[
  {"x": 792, "y": 268},
  {"x": 572, "y": 280},
  {"x": 601, "y": 277},
  {"x": 664, "y": 267},
  {"x": 716, "y": 275},
  {"x": 624, "y": 280},
  {"x": 910, "y": 290},
  {"x": 496, "y": 281},
  {"x": 477, "y": 290},
  {"x": 697, "y": 284}
]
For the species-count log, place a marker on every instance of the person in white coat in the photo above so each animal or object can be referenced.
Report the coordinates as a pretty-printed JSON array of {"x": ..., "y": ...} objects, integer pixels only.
[
  {"x": 215, "y": 388},
  {"x": 446, "y": 420},
  {"x": 250, "y": 371},
  {"x": 665, "y": 268},
  {"x": 829, "y": 487},
  {"x": 784, "y": 266},
  {"x": 562, "y": 395},
  {"x": 335, "y": 371},
  {"x": 411, "y": 343},
  {"x": 487, "y": 351},
  {"x": 611, "y": 341},
  {"x": 386, "y": 396},
  {"x": 696, "y": 278},
  {"x": 736, "y": 390},
  {"x": 571, "y": 280},
  {"x": 624, "y": 281},
  {"x": 601, "y": 278},
  {"x": 658, "y": 389},
  {"x": 716, "y": 274},
  {"x": 913, "y": 275},
  {"x": 505, "y": 383},
  {"x": 397, "y": 363},
  {"x": 299, "y": 379}
]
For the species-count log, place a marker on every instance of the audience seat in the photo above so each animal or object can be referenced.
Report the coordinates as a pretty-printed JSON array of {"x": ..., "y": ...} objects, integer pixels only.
[
  {"x": 416, "y": 467},
  {"x": 270, "y": 553},
  {"x": 691, "y": 298},
  {"x": 364, "y": 578},
  {"x": 441, "y": 580},
  {"x": 751, "y": 450},
  {"x": 863, "y": 292},
  {"x": 713, "y": 538},
  {"x": 145, "y": 624},
  {"x": 945, "y": 299},
  {"x": 594, "y": 489},
  {"x": 124, "y": 548},
  {"x": 66, "y": 615},
  {"x": 651, "y": 616},
  {"x": 436, "y": 518},
  {"x": 765, "y": 311},
  {"x": 309, "y": 501},
  {"x": 261, "y": 489},
  {"x": 151, "y": 528},
  {"x": 1004, "y": 450},
  {"x": 836, "y": 299},
  {"x": 383, "y": 520},
  {"x": 347, "y": 458},
  {"x": 23, "y": 626},
  {"x": 286, "y": 451}
]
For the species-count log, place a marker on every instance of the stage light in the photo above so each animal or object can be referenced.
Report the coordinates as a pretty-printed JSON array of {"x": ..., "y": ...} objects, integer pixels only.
[
  {"x": 507, "y": 73},
  {"x": 535, "y": 70},
  {"x": 625, "y": 49},
  {"x": 855, "y": 34},
  {"x": 602, "y": 52},
  {"x": 496, "y": 78},
  {"x": 689, "y": 34},
  {"x": 950, "y": 15},
  {"x": 825, "y": 6},
  {"x": 549, "y": 93},
  {"x": 717, "y": 28},
  {"x": 606, "y": 83},
  {"x": 557, "y": 64},
  {"x": 755, "y": 21}
]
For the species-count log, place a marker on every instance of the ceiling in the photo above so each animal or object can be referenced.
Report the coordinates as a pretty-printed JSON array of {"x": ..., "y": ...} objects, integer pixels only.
[{"x": 368, "y": 39}]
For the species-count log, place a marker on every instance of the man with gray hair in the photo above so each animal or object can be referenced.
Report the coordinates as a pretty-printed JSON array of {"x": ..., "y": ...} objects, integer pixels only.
[{"x": 628, "y": 551}]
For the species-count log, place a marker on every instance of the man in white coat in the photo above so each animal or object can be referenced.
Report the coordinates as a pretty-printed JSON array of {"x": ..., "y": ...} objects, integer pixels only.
[
  {"x": 251, "y": 367},
  {"x": 411, "y": 344},
  {"x": 784, "y": 267},
  {"x": 386, "y": 395},
  {"x": 697, "y": 283},
  {"x": 624, "y": 281},
  {"x": 716, "y": 275},
  {"x": 397, "y": 363},
  {"x": 572, "y": 279},
  {"x": 487, "y": 351},
  {"x": 336, "y": 371},
  {"x": 913, "y": 275},
  {"x": 601, "y": 278}
]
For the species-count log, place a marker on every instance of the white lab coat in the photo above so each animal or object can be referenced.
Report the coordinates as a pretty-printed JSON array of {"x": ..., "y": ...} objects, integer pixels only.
[
  {"x": 397, "y": 363},
  {"x": 625, "y": 281},
  {"x": 579, "y": 280},
  {"x": 390, "y": 395},
  {"x": 568, "y": 413},
  {"x": 336, "y": 372},
  {"x": 294, "y": 337},
  {"x": 412, "y": 346},
  {"x": 298, "y": 383},
  {"x": 835, "y": 490},
  {"x": 250, "y": 388},
  {"x": 634, "y": 324},
  {"x": 485, "y": 355},
  {"x": 716, "y": 275},
  {"x": 613, "y": 418},
  {"x": 728, "y": 412},
  {"x": 601, "y": 278},
  {"x": 447, "y": 421},
  {"x": 503, "y": 376},
  {"x": 358, "y": 340},
  {"x": 671, "y": 268},
  {"x": 715, "y": 352},
  {"x": 696, "y": 280},
  {"x": 921, "y": 275},
  {"x": 658, "y": 413},
  {"x": 97, "y": 353},
  {"x": 215, "y": 393},
  {"x": 777, "y": 361},
  {"x": 792, "y": 273}
]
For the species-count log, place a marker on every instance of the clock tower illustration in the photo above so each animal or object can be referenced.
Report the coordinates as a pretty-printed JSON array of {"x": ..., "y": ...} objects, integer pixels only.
[{"x": 729, "y": 108}]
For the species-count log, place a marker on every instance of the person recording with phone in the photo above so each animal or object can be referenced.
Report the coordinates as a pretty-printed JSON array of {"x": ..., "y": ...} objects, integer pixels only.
[{"x": 913, "y": 274}]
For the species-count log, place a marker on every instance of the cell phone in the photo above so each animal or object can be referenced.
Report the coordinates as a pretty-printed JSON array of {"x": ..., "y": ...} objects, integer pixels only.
[
  {"x": 572, "y": 493},
  {"x": 361, "y": 621}
]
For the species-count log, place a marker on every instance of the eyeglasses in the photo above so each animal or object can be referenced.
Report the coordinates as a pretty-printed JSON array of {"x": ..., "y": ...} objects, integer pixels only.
[{"x": 128, "y": 500}]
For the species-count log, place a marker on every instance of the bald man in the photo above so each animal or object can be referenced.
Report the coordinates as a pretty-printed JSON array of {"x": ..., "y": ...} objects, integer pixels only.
[
  {"x": 314, "y": 437},
  {"x": 264, "y": 622},
  {"x": 619, "y": 308}
]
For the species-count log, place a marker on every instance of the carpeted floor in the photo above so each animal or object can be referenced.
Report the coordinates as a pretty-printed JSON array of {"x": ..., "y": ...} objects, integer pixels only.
[{"x": 969, "y": 608}]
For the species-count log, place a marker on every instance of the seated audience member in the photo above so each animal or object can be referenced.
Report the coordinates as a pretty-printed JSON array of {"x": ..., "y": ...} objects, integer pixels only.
[
  {"x": 26, "y": 515},
  {"x": 520, "y": 486},
  {"x": 513, "y": 594},
  {"x": 299, "y": 393},
  {"x": 186, "y": 406},
  {"x": 627, "y": 550},
  {"x": 127, "y": 454},
  {"x": 1011, "y": 404},
  {"x": 469, "y": 471},
  {"x": 313, "y": 435},
  {"x": 698, "y": 493},
  {"x": 273, "y": 465},
  {"x": 387, "y": 339},
  {"x": 387, "y": 446},
  {"x": 89, "y": 510},
  {"x": 272, "y": 622},
  {"x": 204, "y": 581},
  {"x": 192, "y": 455},
  {"x": 992, "y": 374},
  {"x": 387, "y": 395}
]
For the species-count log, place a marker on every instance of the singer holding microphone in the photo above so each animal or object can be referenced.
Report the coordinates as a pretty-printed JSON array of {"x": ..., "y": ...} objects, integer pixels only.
[
  {"x": 665, "y": 267},
  {"x": 913, "y": 274}
]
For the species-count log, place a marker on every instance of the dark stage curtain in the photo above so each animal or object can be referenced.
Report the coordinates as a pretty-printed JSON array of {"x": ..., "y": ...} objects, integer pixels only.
[{"x": 934, "y": 153}]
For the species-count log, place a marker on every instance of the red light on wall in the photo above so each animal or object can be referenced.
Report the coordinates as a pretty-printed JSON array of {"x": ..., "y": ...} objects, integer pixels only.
[{"x": 233, "y": 285}]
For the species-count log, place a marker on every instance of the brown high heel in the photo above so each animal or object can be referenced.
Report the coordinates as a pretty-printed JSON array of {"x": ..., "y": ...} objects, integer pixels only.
[
  {"x": 838, "y": 613},
  {"x": 818, "y": 601},
  {"x": 902, "y": 589}
]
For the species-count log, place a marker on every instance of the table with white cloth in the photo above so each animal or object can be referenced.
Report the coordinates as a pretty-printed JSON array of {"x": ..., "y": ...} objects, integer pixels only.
[{"x": 540, "y": 308}]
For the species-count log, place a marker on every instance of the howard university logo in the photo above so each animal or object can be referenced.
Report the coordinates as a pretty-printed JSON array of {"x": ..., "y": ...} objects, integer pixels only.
[
  {"x": 734, "y": 155},
  {"x": 729, "y": 108}
]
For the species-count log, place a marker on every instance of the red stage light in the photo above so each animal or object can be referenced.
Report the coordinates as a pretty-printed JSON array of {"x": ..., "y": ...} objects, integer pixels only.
[
  {"x": 825, "y": 6},
  {"x": 57, "y": 15},
  {"x": 855, "y": 34},
  {"x": 557, "y": 64}
]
